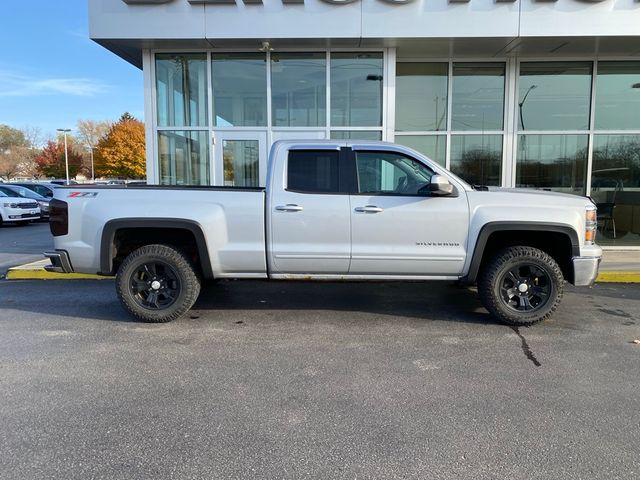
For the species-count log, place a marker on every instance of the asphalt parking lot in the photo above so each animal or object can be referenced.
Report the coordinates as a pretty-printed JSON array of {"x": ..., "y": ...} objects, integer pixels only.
[
  {"x": 293, "y": 380},
  {"x": 23, "y": 243}
]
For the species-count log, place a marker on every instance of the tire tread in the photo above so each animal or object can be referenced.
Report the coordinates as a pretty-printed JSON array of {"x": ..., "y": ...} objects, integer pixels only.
[
  {"x": 491, "y": 274},
  {"x": 190, "y": 283}
]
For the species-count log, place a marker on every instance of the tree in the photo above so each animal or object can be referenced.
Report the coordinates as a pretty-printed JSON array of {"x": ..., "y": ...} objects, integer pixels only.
[
  {"x": 51, "y": 162},
  {"x": 90, "y": 132},
  {"x": 11, "y": 137},
  {"x": 16, "y": 151},
  {"x": 9, "y": 163},
  {"x": 121, "y": 153}
]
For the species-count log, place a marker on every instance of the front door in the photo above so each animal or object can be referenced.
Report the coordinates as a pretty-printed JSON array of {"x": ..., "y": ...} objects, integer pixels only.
[
  {"x": 240, "y": 158},
  {"x": 399, "y": 230}
]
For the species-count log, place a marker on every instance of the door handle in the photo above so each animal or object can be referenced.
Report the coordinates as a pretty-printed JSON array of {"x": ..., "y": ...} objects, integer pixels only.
[
  {"x": 289, "y": 207},
  {"x": 369, "y": 209}
]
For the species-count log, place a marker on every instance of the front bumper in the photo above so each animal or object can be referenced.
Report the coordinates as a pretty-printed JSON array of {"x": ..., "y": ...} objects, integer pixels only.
[
  {"x": 60, "y": 262},
  {"x": 585, "y": 270}
]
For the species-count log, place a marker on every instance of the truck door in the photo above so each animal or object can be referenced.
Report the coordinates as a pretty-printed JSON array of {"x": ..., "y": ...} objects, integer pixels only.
[
  {"x": 310, "y": 231},
  {"x": 398, "y": 231}
]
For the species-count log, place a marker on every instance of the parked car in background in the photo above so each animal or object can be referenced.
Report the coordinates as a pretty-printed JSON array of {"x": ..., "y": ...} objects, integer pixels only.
[
  {"x": 44, "y": 189},
  {"x": 17, "y": 209},
  {"x": 62, "y": 181},
  {"x": 22, "y": 192}
]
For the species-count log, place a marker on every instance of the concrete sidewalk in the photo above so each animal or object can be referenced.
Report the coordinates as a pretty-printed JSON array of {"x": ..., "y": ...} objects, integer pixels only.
[{"x": 618, "y": 266}]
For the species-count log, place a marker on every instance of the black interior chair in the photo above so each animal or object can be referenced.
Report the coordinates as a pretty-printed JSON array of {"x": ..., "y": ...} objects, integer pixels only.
[{"x": 606, "y": 211}]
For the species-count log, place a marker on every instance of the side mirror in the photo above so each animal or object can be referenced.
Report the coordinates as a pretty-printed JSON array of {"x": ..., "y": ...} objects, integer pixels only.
[{"x": 440, "y": 186}]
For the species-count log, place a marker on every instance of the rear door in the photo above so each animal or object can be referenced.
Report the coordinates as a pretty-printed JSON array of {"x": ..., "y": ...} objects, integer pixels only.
[
  {"x": 310, "y": 223},
  {"x": 397, "y": 228}
]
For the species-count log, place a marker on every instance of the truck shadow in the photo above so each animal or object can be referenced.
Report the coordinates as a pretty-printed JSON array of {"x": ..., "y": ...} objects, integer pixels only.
[
  {"x": 420, "y": 301},
  {"x": 431, "y": 301}
]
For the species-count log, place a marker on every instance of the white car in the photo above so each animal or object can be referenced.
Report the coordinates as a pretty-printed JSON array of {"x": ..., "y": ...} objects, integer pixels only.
[{"x": 18, "y": 209}]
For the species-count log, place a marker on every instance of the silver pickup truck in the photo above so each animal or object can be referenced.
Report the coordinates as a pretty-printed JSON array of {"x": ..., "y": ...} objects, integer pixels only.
[{"x": 331, "y": 210}]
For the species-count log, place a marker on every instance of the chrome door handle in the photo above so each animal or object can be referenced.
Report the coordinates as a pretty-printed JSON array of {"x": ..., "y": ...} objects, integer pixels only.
[
  {"x": 369, "y": 209},
  {"x": 289, "y": 207}
]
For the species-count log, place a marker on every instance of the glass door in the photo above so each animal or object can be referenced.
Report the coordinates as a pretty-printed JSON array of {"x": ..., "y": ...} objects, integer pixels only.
[{"x": 240, "y": 158}]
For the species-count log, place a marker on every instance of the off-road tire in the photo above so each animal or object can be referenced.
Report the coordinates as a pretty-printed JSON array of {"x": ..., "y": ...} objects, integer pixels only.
[
  {"x": 174, "y": 270},
  {"x": 494, "y": 283}
]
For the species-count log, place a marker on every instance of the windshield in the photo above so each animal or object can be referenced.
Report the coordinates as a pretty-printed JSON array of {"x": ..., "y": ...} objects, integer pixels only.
[{"x": 25, "y": 192}]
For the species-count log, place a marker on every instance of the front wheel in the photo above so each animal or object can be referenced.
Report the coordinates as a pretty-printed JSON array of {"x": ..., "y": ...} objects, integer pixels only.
[
  {"x": 521, "y": 285},
  {"x": 157, "y": 283}
]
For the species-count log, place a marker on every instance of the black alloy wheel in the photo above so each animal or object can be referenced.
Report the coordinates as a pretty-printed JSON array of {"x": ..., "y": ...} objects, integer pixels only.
[
  {"x": 155, "y": 285},
  {"x": 526, "y": 287}
]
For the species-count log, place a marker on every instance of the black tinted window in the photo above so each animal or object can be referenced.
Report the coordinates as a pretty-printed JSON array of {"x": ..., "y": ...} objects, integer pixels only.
[{"x": 313, "y": 171}]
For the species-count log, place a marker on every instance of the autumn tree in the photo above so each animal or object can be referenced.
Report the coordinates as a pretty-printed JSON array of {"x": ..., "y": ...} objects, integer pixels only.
[
  {"x": 121, "y": 152},
  {"x": 51, "y": 162},
  {"x": 16, "y": 152}
]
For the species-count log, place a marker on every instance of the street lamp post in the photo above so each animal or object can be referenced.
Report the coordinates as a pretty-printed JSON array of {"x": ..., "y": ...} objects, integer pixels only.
[
  {"x": 93, "y": 177},
  {"x": 64, "y": 131},
  {"x": 521, "y": 104}
]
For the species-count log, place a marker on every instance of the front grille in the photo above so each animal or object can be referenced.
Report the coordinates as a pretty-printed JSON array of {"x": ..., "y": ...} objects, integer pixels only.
[
  {"x": 24, "y": 206},
  {"x": 30, "y": 215}
]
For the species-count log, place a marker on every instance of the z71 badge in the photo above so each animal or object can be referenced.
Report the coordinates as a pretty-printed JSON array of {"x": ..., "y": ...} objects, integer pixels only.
[{"x": 82, "y": 195}]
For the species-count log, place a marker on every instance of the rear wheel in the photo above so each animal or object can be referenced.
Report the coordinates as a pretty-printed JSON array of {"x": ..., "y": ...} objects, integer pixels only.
[
  {"x": 157, "y": 283},
  {"x": 521, "y": 286}
]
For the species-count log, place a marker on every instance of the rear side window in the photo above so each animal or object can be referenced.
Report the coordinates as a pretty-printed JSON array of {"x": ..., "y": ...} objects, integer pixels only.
[{"x": 313, "y": 171}]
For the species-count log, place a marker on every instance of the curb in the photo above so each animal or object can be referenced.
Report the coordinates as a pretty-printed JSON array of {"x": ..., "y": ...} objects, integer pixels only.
[
  {"x": 36, "y": 271},
  {"x": 618, "y": 277}
]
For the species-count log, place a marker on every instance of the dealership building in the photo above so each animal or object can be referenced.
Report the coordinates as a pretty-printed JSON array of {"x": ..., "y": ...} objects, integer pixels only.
[{"x": 515, "y": 93}]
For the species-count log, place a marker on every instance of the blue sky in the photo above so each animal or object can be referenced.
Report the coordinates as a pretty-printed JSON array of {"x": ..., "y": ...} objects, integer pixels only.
[{"x": 52, "y": 74}]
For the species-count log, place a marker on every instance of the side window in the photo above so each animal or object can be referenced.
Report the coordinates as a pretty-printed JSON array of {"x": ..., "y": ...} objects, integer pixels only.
[
  {"x": 390, "y": 174},
  {"x": 313, "y": 171}
]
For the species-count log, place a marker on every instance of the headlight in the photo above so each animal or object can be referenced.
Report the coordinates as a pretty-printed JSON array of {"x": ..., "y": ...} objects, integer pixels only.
[
  {"x": 10, "y": 205},
  {"x": 590, "y": 224}
]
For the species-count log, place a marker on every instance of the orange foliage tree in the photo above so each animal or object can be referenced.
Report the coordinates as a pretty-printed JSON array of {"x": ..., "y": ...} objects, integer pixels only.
[{"x": 121, "y": 152}]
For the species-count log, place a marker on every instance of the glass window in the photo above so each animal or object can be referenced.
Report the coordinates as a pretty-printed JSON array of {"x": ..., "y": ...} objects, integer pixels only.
[
  {"x": 184, "y": 158},
  {"x": 181, "y": 86},
  {"x": 552, "y": 162},
  {"x": 240, "y": 89},
  {"x": 478, "y": 96},
  {"x": 391, "y": 173},
  {"x": 618, "y": 96},
  {"x": 356, "y": 135},
  {"x": 554, "y": 96},
  {"x": 313, "y": 171},
  {"x": 299, "y": 89},
  {"x": 356, "y": 89},
  {"x": 615, "y": 187},
  {"x": 421, "y": 96},
  {"x": 477, "y": 158},
  {"x": 240, "y": 160},
  {"x": 432, "y": 146}
]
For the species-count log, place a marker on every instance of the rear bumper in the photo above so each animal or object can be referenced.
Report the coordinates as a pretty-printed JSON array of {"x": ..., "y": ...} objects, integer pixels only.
[
  {"x": 60, "y": 262},
  {"x": 585, "y": 270}
]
